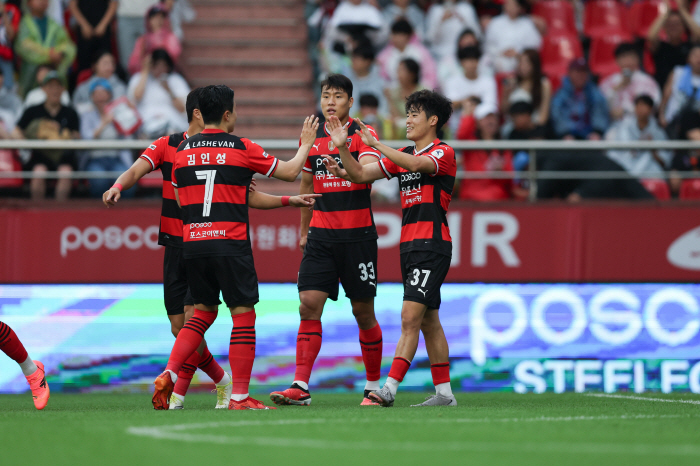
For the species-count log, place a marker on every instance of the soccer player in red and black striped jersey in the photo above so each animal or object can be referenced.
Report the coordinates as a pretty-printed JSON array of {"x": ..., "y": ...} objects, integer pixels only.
[
  {"x": 426, "y": 173},
  {"x": 32, "y": 370},
  {"x": 212, "y": 174},
  {"x": 339, "y": 241}
]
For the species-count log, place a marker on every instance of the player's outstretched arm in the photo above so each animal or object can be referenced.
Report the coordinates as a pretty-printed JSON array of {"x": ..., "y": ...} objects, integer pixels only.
[
  {"x": 288, "y": 171},
  {"x": 264, "y": 201},
  {"x": 306, "y": 187},
  {"x": 127, "y": 179},
  {"x": 354, "y": 170},
  {"x": 422, "y": 164}
]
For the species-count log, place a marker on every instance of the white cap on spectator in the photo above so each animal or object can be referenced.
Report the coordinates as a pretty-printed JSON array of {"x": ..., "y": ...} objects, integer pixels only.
[{"x": 484, "y": 109}]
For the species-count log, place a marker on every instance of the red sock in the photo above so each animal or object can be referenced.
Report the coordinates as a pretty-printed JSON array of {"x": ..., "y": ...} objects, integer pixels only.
[
  {"x": 184, "y": 377},
  {"x": 241, "y": 352},
  {"x": 441, "y": 373},
  {"x": 399, "y": 367},
  {"x": 308, "y": 346},
  {"x": 371, "y": 344},
  {"x": 210, "y": 367},
  {"x": 10, "y": 344},
  {"x": 189, "y": 338}
]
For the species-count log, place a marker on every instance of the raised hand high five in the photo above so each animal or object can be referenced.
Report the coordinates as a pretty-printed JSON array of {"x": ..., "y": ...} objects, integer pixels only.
[
  {"x": 367, "y": 136},
  {"x": 339, "y": 133},
  {"x": 308, "y": 132}
]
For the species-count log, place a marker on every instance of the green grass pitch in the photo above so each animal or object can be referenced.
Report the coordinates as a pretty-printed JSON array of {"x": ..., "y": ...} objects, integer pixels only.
[{"x": 485, "y": 429}]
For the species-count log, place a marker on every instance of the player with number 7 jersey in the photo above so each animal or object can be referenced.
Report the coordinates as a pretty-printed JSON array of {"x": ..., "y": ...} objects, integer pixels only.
[
  {"x": 426, "y": 173},
  {"x": 211, "y": 175}
]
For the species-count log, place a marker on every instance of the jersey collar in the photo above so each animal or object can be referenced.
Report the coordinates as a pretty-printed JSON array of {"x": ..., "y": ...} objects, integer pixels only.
[
  {"x": 325, "y": 126},
  {"x": 432, "y": 144},
  {"x": 212, "y": 131}
]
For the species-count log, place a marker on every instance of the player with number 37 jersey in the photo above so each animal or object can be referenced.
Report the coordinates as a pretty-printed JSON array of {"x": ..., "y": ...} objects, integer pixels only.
[{"x": 426, "y": 175}]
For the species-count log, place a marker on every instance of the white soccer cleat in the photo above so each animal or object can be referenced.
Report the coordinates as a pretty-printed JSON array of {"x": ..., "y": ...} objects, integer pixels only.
[
  {"x": 223, "y": 394},
  {"x": 176, "y": 403},
  {"x": 438, "y": 400}
]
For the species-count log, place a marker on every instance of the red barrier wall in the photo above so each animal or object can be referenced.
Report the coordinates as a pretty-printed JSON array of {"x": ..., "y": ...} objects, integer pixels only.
[{"x": 87, "y": 243}]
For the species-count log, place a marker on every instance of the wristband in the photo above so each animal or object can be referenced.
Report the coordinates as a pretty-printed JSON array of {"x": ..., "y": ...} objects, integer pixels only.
[
  {"x": 117, "y": 185},
  {"x": 285, "y": 201}
]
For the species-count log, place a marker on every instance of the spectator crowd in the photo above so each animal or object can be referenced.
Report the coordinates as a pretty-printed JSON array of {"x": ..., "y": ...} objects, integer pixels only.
[{"x": 528, "y": 69}]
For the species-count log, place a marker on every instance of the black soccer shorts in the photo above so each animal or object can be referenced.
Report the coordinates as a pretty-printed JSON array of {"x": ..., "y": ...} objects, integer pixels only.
[
  {"x": 423, "y": 274},
  {"x": 354, "y": 264},
  {"x": 176, "y": 293},
  {"x": 233, "y": 276}
]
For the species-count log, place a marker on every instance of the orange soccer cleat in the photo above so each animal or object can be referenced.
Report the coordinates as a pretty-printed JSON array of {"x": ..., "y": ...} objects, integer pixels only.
[
  {"x": 367, "y": 401},
  {"x": 164, "y": 389},
  {"x": 39, "y": 387},
  {"x": 248, "y": 403},
  {"x": 294, "y": 395}
]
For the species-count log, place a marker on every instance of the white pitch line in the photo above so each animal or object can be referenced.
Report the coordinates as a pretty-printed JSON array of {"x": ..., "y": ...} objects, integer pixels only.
[{"x": 643, "y": 398}]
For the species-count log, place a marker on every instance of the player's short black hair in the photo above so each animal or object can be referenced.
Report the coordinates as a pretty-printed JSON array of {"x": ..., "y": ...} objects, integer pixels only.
[
  {"x": 521, "y": 107},
  {"x": 365, "y": 51},
  {"x": 338, "y": 82},
  {"x": 625, "y": 48},
  {"x": 369, "y": 100},
  {"x": 162, "y": 54},
  {"x": 413, "y": 67},
  {"x": 402, "y": 26},
  {"x": 644, "y": 98},
  {"x": 469, "y": 53},
  {"x": 432, "y": 103},
  {"x": 214, "y": 101},
  {"x": 192, "y": 103}
]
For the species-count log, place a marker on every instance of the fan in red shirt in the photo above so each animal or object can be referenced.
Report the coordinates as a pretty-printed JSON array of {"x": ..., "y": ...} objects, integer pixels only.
[{"x": 426, "y": 173}]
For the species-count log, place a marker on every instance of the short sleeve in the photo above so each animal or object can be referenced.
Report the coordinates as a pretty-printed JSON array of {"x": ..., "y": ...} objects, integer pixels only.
[
  {"x": 260, "y": 161},
  {"x": 307, "y": 166},
  {"x": 389, "y": 168},
  {"x": 155, "y": 153},
  {"x": 365, "y": 150},
  {"x": 443, "y": 157},
  {"x": 25, "y": 119}
]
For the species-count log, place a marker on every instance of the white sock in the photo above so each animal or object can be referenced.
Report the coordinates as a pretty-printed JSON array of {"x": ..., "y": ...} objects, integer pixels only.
[
  {"x": 392, "y": 384},
  {"x": 444, "y": 389},
  {"x": 225, "y": 380},
  {"x": 179, "y": 397},
  {"x": 28, "y": 366},
  {"x": 239, "y": 397},
  {"x": 173, "y": 376},
  {"x": 303, "y": 385},
  {"x": 372, "y": 385}
]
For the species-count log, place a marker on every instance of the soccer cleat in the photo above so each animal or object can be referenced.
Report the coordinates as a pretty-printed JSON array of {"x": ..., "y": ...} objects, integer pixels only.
[
  {"x": 176, "y": 403},
  {"x": 164, "y": 390},
  {"x": 223, "y": 394},
  {"x": 39, "y": 387},
  {"x": 438, "y": 400},
  {"x": 383, "y": 397},
  {"x": 294, "y": 395},
  {"x": 248, "y": 403},
  {"x": 366, "y": 401}
]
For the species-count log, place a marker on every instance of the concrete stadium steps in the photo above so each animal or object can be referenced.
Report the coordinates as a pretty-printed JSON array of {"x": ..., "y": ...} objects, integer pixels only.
[{"x": 258, "y": 47}]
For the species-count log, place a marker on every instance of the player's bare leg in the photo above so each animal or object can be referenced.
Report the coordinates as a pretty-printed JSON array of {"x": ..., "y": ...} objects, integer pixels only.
[
  {"x": 32, "y": 370},
  {"x": 308, "y": 346},
  {"x": 439, "y": 355},
  {"x": 370, "y": 344},
  {"x": 411, "y": 321},
  {"x": 241, "y": 356}
]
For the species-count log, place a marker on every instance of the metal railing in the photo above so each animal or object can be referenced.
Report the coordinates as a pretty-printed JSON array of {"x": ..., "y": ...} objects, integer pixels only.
[{"x": 532, "y": 147}]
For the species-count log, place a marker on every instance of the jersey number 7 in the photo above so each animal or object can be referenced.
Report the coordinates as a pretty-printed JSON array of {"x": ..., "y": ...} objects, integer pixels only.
[{"x": 208, "y": 175}]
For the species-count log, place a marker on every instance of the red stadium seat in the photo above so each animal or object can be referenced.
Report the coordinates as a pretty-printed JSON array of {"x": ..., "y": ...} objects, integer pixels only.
[
  {"x": 690, "y": 189},
  {"x": 558, "y": 50},
  {"x": 8, "y": 164},
  {"x": 648, "y": 63},
  {"x": 658, "y": 187},
  {"x": 642, "y": 14},
  {"x": 558, "y": 14},
  {"x": 153, "y": 180},
  {"x": 605, "y": 17},
  {"x": 602, "y": 54}
]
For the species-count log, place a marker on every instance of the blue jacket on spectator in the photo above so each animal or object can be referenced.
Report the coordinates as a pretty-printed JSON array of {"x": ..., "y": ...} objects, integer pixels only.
[{"x": 579, "y": 113}]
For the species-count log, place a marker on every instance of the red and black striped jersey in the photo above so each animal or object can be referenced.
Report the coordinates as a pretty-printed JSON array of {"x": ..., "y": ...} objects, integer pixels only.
[
  {"x": 161, "y": 154},
  {"x": 344, "y": 212},
  {"x": 212, "y": 174},
  {"x": 425, "y": 199}
]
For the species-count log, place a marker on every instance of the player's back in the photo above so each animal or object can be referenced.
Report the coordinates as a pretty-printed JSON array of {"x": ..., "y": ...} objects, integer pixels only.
[{"x": 212, "y": 174}]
